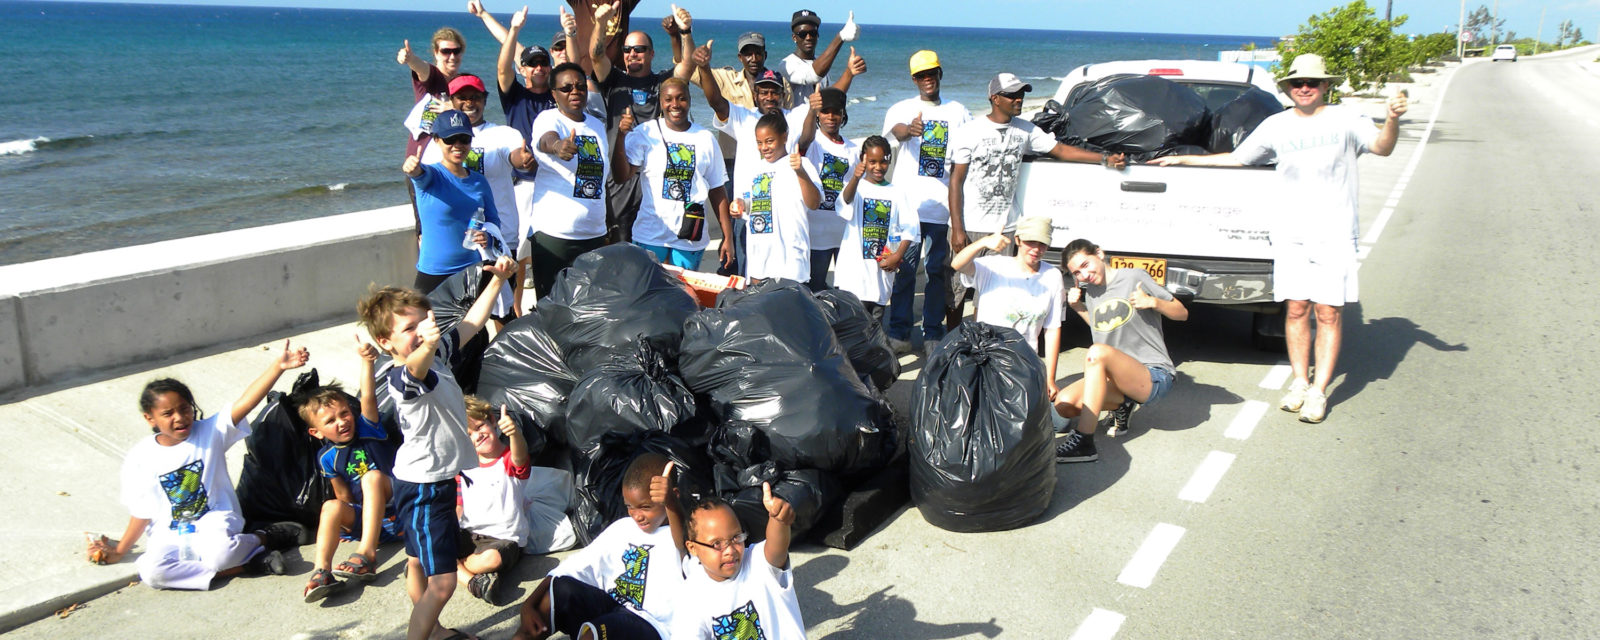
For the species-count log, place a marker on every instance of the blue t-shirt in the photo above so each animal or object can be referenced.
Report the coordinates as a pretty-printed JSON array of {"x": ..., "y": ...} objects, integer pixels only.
[
  {"x": 521, "y": 105},
  {"x": 371, "y": 450},
  {"x": 445, "y": 203}
]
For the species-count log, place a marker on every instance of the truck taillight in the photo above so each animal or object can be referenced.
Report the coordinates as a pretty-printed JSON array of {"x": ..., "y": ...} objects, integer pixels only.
[{"x": 1166, "y": 72}]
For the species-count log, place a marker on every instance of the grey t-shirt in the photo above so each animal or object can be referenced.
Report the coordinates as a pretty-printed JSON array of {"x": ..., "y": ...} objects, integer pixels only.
[{"x": 1114, "y": 321}]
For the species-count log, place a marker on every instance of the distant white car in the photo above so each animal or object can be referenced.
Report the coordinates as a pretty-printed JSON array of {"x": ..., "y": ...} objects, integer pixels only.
[{"x": 1504, "y": 52}]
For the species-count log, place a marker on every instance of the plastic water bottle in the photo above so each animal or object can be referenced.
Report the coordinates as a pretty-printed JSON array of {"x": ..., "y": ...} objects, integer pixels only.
[
  {"x": 186, "y": 542},
  {"x": 475, "y": 224}
]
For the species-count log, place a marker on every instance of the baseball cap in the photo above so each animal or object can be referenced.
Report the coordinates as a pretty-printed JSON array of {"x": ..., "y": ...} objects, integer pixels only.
[
  {"x": 1007, "y": 83},
  {"x": 832, "y": 98},
  {"x": 1034, "y": 229},
  {"x": 532, "y": 53},
  {"x": 768, "y": 76},
  {"x": 751, "y": 38},
  {"x": 924, "y": 60},
  {"x": 559, "y": 38},
  {"x": 450, "y": 124},
  {"x": 804, "y": 16},
  {"x": 466, "y": 80}
]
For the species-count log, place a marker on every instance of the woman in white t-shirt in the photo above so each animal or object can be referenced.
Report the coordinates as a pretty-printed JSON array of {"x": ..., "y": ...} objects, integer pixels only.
[
  {"x": 683, "y": 174},
  {"x": 1021, "y": 292}
]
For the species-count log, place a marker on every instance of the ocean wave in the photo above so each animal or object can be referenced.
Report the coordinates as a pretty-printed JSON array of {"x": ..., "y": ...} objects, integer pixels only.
[
  {"x": 42, "y": 143},
  {"x": 863, "y": 99},
  {"x": 19, "y": 147},
  {"x": 339, "y": 188}
]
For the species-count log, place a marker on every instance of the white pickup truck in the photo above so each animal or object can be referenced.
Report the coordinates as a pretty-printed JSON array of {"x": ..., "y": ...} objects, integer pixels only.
[{"x": 1199, "y": 231}]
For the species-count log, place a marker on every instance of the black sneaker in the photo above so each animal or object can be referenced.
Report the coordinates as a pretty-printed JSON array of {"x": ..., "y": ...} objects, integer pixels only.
[
  {"x": 1119, "y": 418},
  {"x": 1078, "y": 447},
  {"x": 482, "y": 586},
  {"x": 280, "y": 536},
  {"x": 269, "y": 562}
]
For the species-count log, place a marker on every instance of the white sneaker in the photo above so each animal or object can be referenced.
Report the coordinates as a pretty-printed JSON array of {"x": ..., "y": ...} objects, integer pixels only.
[
  {"x": 1315, "y": 407},
  {"x": 1296, "y": 396}
]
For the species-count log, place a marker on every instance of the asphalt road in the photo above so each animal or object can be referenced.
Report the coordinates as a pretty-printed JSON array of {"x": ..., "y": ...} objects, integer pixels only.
[{"x": 1446, "y": 495}]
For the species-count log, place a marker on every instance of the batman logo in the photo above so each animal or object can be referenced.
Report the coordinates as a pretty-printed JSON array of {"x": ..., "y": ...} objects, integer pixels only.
[{"x": 1111, "y": 314}]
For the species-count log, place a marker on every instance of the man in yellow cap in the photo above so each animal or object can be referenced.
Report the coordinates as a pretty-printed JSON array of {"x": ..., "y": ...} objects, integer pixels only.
[{"x": 922, "y": 170}]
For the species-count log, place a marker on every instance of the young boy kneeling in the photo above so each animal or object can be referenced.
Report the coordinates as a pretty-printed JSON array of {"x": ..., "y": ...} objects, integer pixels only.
[
  {"x": 734, "y": 589},
  {"x": 433, "y": 418},
  {"x": 624, "y": 584},
  {"x": 357, "y": 457},
  {"x": 494, "y": 524}
]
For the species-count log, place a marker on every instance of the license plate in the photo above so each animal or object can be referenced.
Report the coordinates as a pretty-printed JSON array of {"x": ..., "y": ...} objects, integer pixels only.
[{"x": 1156, "y": 267}]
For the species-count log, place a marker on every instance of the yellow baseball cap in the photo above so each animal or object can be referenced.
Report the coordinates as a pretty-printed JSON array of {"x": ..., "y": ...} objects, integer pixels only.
[{"x": 924, "y": 60}]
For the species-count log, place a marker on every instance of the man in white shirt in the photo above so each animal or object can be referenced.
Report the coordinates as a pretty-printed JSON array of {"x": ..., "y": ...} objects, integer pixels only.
[{"x": 805, "y": 70}]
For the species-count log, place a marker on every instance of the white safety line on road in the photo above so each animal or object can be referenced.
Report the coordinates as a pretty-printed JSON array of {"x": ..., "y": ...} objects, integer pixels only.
[
  {"x": 1141, "y": 570},
  {"x": 1410, "y": 168},
  {"x": 1276, "y": 376},
  {"x": 1100, "y": 625},
  {"x": 1377, "y": 226},
  {"x": 1362, "y": 251},
  {"x": 1205, "y": 478},
  {"x": 1245, "y": 423}
]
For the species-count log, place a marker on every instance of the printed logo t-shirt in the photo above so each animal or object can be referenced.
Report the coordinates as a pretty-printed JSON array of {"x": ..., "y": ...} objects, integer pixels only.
[
  {"x": 569, "y": 195},
  {"x": 922, "y": 163}
]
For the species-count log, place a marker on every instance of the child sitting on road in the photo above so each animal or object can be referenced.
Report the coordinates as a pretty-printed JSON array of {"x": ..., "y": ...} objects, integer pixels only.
[
  {"x": 176, "y": 485},
  {"x": 432, "y": 414},
  {"x": 357, "y": 457},
  {"x": 494, "y": 524},
  {"x": 624, "y": 584},
  {"x": 735, "y": 588},
  {"x": 879, "y": 228}
]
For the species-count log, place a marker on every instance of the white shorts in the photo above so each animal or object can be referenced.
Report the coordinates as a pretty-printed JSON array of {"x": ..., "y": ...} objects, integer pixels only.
[{"x": 1320, "y": 273}]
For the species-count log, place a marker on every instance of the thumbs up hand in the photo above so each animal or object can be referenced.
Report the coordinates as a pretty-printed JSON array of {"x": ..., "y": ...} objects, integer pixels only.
[
  {"x": 777, "y": 508},
  {"x": 858, "y": 64},
  {"x": 702, "y": 55},
  {"x": 914, "y": 129},
  {"x": 661, "y": 487},
  {"x": 569, "y": 146},
  {"x": 412, "y": 166},
  {"x": 404, "y": 55},
  {"x": 850, "y": 31},
  {"x": 506, "y": 424}
]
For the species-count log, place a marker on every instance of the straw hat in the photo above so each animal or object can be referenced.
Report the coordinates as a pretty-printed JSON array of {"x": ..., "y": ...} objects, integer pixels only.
[{"x": 1308, "y": 66}]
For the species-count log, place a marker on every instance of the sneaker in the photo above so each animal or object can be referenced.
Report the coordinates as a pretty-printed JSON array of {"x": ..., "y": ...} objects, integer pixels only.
[
  {"x": 1119, "y": 418},
  {"x": 1315, "y": 408},
  {"x": 280, "y": 536},
  {"x": 1078, "y": 447},
  {"x": 266, "y": 563},
  {"x": 901, "y": 347},
  {"x": 482, "y": 586},
  {"x": 588, "y": 632},
  {"x": 1296, "y": 396}
]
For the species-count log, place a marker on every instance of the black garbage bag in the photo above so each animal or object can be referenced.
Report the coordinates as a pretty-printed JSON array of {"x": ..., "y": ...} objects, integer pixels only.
[
  {"x": 809, "y": 492},
  {"x": 771, "y": 359},
  {"x": 737, "y": 449},
  {"x": 1233, "y": 122},
  {"x": 523, "y": 369},
  {"x": 451, "y": 300},
  {"x": 1136, "y": 115},
  {"x": 598, "y": 472},
  {"x": 608, "y": 299},
  {"x": 636, "y": 392},
  {"x": 1051, "y": 118},
  {"x": 861, "y": 336},
  {"x": 980, "y": 443},
  {"x": 730, "y": 296},
  {"x": 280, "y": 481}
]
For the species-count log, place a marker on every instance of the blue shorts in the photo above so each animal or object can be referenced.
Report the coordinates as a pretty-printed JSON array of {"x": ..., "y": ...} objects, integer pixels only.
[
  {"x": 676, "y": 257},
  {"x": 389, "y": 529},
  {"x": 1160, "y": 384},
  {"x": 428, "y": 516}
]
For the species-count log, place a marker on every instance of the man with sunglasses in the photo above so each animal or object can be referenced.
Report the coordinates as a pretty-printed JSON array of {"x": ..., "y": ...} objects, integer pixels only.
[
  {"x": 1315, "y": 146},
  {"x": 804, "y": 69},
  {"x": 986, "y": 155}
]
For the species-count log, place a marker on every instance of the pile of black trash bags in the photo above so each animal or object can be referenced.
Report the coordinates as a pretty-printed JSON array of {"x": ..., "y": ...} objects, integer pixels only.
[{"x": 1148, "y": 117}]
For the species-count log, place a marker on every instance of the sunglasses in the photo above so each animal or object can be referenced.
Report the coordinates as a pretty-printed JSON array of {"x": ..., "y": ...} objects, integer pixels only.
[
  {"x": 568, "y": 88},
  {"x": 559, "y": 47},
  {"x": 449, "y": 51},
  {"x": 536, "y": 62},
  {"x": 1301, "y": 84},
  {"x": 1013, "y": 95},
  {"x": 921, "y": 75},
  {"x": 470, "y": 97},
  {"x": 808, "y": 34},
  {"x": 457, "y": 140},
  {"x": 635, "y": 48}
]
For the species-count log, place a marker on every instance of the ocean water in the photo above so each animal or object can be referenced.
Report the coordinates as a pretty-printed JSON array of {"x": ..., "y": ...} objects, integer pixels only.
[{"x": 127, "y": 124}]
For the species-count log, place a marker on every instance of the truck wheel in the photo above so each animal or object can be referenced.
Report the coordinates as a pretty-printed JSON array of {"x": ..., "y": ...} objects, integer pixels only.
[{"x": 1266, "y": 332}]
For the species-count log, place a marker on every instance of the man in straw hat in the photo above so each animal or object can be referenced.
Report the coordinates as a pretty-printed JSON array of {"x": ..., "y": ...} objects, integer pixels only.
[{"x": 1315, "y": 146}]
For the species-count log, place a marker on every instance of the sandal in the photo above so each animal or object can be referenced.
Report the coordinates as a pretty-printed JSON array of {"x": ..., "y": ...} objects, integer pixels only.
[
  {"x": 321, "y": 585},
  {"x": 356, "y": 568}
]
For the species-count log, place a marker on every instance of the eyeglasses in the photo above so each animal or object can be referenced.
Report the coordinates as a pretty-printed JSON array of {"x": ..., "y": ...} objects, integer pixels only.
[
  {"x": 458, "y": 140},
  {"x": 723, "y": 545},
  {"x": 1013, "y": 95},
  {"x": 808, "y": 34},
  {"x": 635, "y": 48},
  {"x": 449, "y": 51},
  {"x": 567, "y": 88},
  {"x": 1301, "y": 84}
]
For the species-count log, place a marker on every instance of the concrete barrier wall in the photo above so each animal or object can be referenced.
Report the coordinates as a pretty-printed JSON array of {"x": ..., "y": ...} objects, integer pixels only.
[{"x": 79, "y": 314}]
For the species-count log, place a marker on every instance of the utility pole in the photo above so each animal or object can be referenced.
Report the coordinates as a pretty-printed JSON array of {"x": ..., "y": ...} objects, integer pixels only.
[
  {"x": 1540, "y": 37},
  {"x": 1461, "y": 28},
  {"x": 1494, "y": 25},
  {"x": 1388, "y": 11}
]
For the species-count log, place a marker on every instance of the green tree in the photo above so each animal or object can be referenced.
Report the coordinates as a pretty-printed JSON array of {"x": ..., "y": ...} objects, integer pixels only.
[
  {"x": 1480, "y": 23},
  {"x": 1353, "y": 42},
  {"x": 1432, "y": 47}
]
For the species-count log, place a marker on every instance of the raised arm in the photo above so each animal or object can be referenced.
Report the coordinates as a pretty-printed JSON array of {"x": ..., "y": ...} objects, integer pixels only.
[
  {"x": 708, "y": 82},
  {"x": 663, "y": 492},
  {"x": 996, "y": 242},
  {"x": 856, "y": 67},
  {"x": 252, "y": 396},
  {"x": 779, "y": 518},
  {"x": 808, "y": 127},
  {"x": 519, "y": 445},
  {"x": 369, "y": 363},
  {"x": 500, "y": 34},
  {"x": 418, "y": 66},
  {"x": 606, "y": 25},
  {"x": 506, "y": 70},
  {"x": 808, "y": 189},
  {"x": 682, "y": 40},
  {"x": 623, "y": 170},
  {"x": 1390, "y": 133},
  {"x": 849, "y": 192},
  {"x": 478, "y": 314}
]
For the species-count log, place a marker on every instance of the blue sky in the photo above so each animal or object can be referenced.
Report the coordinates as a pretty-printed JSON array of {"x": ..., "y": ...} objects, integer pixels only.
[{"x": 1231, "y": 17}]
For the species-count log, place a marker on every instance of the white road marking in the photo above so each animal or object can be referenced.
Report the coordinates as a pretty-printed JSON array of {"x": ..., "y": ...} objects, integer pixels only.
[
  {"x": 1377, "y": 226},
  {"x": 1276, "y": 376},
  {"x": 1100, "y": 625},
  {"x": 1245, "y": 422},
  {"x": 1141, "y": 570},
  {"x": 1362, "y": 251},
  {"x": 1205, "y": 478}
]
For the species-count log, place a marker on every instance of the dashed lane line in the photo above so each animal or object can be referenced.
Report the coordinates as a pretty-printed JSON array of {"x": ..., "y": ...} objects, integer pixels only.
[
  {"x": 1100, "y": 625},
  {"x": 1205, "y": 478},
  {"x": 1276, "y": 376},
  {"x": 1244, "y": 423},
  {"x": 1147, "y": 561}
]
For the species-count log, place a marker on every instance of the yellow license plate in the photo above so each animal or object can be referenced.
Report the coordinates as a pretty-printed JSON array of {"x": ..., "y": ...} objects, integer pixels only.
[{"x": 1156, "y": 267}]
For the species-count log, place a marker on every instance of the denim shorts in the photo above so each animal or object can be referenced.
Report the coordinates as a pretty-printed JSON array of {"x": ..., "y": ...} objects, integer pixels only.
[{"x": 1160, "y": 384}]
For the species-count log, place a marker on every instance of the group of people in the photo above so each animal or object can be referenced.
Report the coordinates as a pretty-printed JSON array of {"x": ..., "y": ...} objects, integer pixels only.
[{"x": 599, "y": 148}]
